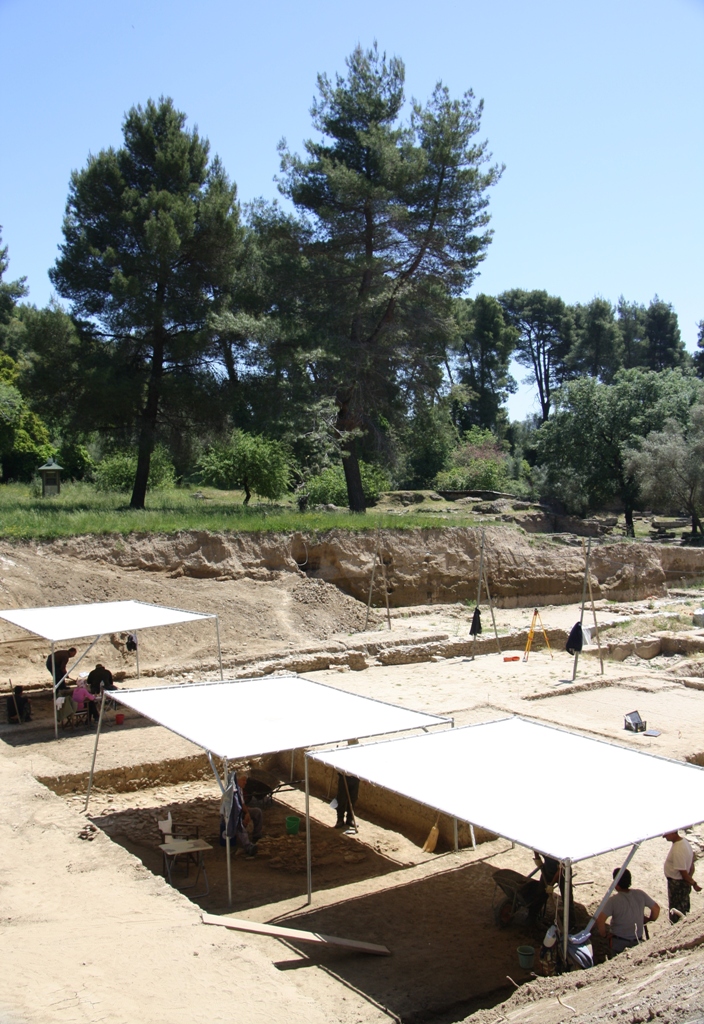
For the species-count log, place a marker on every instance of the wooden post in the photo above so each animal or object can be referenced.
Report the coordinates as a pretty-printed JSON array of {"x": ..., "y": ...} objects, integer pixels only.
[
  {"x": 584, "y": 597},
  {"x": 479, "y": 587}
]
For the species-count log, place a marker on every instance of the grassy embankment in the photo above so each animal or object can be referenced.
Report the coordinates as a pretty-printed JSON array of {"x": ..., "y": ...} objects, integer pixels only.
[{"x": 80, "y": 509}]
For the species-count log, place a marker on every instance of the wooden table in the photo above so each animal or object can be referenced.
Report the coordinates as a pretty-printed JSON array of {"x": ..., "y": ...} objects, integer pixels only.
[{"x": 192, "y": 849}]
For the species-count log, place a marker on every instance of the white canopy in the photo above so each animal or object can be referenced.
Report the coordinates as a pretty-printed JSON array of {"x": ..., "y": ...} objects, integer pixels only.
[
  {"x": 563, "y": 794},
  {"x": 68, "y": 622},
  {"x": 247, "y": 717}
]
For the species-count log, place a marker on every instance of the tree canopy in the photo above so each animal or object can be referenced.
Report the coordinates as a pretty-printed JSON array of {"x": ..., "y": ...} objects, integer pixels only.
[
  {"x": 151, "y": 241},
  {"x": 395, "y": 223}
]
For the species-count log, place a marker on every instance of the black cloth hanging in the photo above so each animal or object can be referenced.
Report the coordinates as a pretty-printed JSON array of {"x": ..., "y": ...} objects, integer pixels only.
[
  {"x": 476, "y": 626},
  {"x": 575, "y": 639}
]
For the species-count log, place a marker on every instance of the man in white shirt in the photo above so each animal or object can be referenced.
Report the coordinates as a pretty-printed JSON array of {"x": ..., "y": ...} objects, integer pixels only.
[
  {"x": 626, "y": 908},
  {"x": 679, "y": 871}
]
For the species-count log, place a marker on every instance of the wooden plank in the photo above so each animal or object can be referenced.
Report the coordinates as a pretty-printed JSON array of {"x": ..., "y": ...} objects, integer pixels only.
[{"x": 295, "y": 934}]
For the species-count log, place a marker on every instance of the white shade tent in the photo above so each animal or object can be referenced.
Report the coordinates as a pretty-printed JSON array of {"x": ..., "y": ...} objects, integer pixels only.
[
  {"x": 77, "y": 621},
  {"x": 239, "y": 719},
  {"x": 616, "y": 797}
]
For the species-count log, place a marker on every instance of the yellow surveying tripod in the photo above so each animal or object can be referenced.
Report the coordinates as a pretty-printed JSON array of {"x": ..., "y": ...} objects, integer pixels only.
[{"x": 531, "y": 634}]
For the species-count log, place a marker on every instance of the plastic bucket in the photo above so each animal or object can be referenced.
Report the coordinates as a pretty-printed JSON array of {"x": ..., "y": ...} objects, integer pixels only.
[
  {"x": 119, "y": 719},
  {"x": 526, "y": 957},
  {"x": 292, "y": 825}
]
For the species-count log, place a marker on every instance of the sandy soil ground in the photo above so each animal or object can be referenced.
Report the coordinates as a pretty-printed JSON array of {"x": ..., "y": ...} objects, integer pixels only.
[{"x": 97, "y": 935}]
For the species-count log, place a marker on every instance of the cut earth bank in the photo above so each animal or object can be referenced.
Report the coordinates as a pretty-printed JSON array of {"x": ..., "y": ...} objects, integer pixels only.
[{"x": 113, "y": 919}]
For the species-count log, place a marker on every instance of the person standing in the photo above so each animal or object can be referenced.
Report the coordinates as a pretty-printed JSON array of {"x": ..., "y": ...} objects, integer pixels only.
[
  {"x": 679, "y": 871},
  {"x": 346, "y": 784},
  {"x": 60, "y": 664},
  {"x": 626, "y": 908},
  {"x": 100, "y": 678}
]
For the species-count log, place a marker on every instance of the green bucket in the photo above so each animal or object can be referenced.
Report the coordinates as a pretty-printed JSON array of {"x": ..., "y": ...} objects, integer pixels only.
[
  {"x": 292, "y": 825},
  {"x": 526, "y": 957}
]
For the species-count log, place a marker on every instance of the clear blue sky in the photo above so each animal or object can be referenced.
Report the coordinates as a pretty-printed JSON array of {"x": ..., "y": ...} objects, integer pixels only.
[{"x": 596, "y": 108}]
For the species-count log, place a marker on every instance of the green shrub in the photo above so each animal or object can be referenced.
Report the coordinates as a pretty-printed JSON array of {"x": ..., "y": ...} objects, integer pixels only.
[
  {"x": 478, "y": 464},
  {"x": 251, "y": 462},
  {"x": 117, "y": 472},
  {"x": 330, "y": 488},
  {"x": 75, "y": 460}
]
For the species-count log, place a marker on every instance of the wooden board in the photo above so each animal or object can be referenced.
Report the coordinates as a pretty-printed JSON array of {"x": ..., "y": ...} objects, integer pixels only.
[{"x": 295, "y": 934}]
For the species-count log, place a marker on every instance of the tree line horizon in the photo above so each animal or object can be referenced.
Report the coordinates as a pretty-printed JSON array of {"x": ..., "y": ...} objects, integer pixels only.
[{"x": 334, "y": 346}]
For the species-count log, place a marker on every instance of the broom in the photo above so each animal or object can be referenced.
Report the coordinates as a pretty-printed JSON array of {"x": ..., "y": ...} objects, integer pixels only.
[{"x": 432, "y": 841}]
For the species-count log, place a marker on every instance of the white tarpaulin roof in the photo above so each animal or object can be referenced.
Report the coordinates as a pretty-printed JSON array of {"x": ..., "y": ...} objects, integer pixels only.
[
  {"x": 551, "y": 790},
  {"x": 69, "y": 622},
  {"x": 246, "y": 717}
]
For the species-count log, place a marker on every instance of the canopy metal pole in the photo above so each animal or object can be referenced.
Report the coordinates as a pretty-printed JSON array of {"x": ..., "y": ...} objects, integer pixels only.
[
  {"x": 95, "y": 748},
  {"x": 567, "y": 867},
  {"x": 217, "y": 631},
  {"x": 611, "y": 888},
  {"x": 584, "y": 597},
  {"x": 54, "y": 688},
  {"x": 371, "y": 582},
  {"x": 227, "y": 846},
  {"x": 309, "y": 865},
  {"x": 479, "y": 586},
  {"x": 471, "y": 833},
  {"x": 596, "y": 625},
  {"x": 136, "y": 641}
]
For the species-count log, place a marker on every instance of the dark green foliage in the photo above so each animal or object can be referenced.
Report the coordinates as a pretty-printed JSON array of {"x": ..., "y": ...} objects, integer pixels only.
[
  {"x": 631, "y": 325},
  {"x": 75, "y": 460},
  {"x": 330, "y": 486},
  {"x": 480, "y": 462},
  {"x": 699, "y": 356},
  {"x": 253, "y": 463},
  {"x": 116, "y": 472},
  {"x": 597, "y": 348},
  {"x": 665, "y": 347},
  {"x": 428, "y": 441},
  {"x": 394, "y": 224},
  {"x": 24, "y": 439},
  {"x": 10, "y": 294},
  {"x": 669, "y": 466},
  {"x": 481, "y": 352},
  {"x": 583, "y": 444},
  {"x": 543, "y": 325},
  {"x": 151, "y": 241}
]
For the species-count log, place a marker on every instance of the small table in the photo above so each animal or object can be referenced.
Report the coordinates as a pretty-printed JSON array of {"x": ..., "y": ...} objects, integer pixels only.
[{"x": 194, "y": 848}]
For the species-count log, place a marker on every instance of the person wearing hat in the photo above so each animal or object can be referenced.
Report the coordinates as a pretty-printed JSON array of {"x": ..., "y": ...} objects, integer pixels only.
[
  {"x": 679, "y": 871},
  {"x": 626, "y": 908}
]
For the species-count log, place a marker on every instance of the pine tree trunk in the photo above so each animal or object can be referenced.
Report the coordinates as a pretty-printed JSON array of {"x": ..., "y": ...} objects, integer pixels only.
[
  {"x": 147, "y": 431},
  {"x": 353, "y": 479},
  {"x": 346, "y": 422},
  {"x": 630, "y": 529}
]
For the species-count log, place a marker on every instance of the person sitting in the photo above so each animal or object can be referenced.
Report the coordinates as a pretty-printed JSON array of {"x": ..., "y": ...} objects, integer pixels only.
[
  {"x": 100, "y": 679},
  {"x": 83, "y": 696},
  {"x": 626, "y": 908},
  {"x": 19, "y": 708},
  {"x": 65, "y": 705},
  {"x": 57, "y": 664}
]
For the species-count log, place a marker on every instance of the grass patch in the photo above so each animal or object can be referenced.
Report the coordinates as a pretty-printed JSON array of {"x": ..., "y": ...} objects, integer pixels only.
[{"x": 80, "y": 509}]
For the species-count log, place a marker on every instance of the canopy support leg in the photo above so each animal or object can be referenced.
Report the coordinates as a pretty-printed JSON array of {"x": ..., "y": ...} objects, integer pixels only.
[
  {"x": 217, "y": 632},
  {"x": 567, "y": 868},
  {"x": 95, "y": 748},
  {"x": 53, "y": 691},
  {"x": 471, "y": 833},
  {"x": 309, "y": 864},
  {"x": 227, "y": 847},
  {"x": 136, "y": 638},
  {"x": 491, "y": 607},
  {"x": 611, "y": 888}
]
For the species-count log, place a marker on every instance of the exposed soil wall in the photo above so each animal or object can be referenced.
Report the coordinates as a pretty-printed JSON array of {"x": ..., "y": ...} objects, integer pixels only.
[{"x": 422, "y": 566}]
